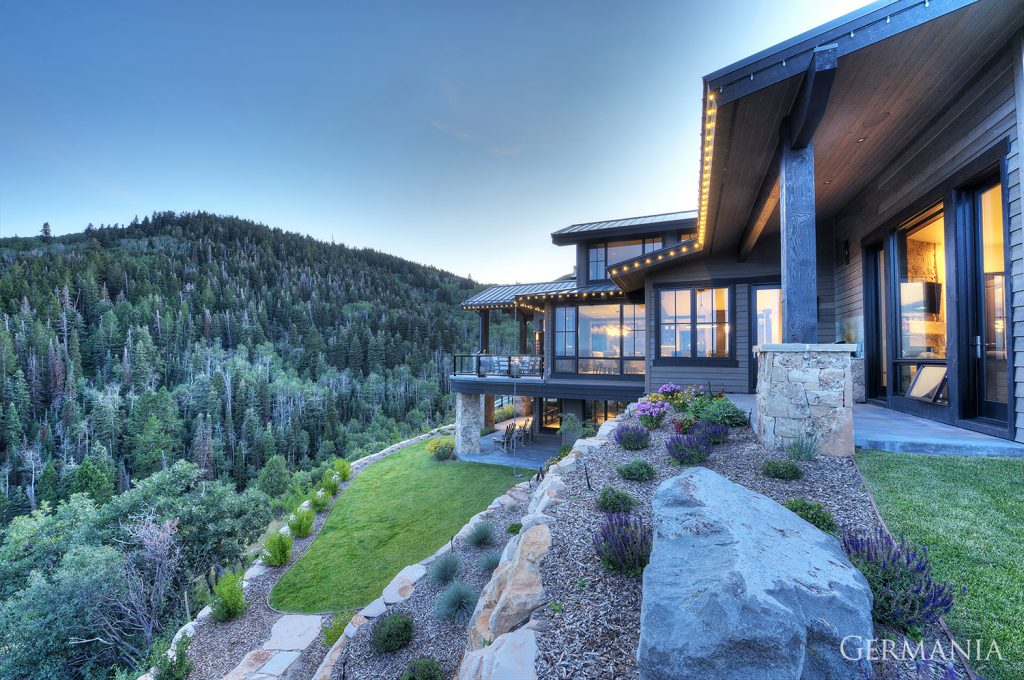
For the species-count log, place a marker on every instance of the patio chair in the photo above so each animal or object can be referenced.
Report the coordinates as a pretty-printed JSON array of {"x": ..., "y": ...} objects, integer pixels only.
[
  {"x": 521, "y": 435},
  {"x": 528, "y": 430},
  {"x": 506, "y": 440}
]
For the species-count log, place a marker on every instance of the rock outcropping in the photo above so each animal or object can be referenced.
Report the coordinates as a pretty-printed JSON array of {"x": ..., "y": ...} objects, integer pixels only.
[{"x": 739, "y": 587}]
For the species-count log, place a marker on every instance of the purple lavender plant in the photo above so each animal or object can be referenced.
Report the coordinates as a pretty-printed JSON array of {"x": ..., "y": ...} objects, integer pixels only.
[
  {"x": 906, "y": 595},
  {"x": 688, "y": 449},
  {"x": 717, "y": 433},
  {"x": 631, "y": 436},
  {"x": 623, "y": 543}
]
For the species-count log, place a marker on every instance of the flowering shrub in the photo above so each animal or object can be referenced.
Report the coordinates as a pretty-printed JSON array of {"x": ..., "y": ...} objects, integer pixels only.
[
  {"x": 319, "y": 500},
  {"x": 651, "y": 413},
  {"x": 442, "y": 448},
  {"x": 670, "y": 390},
  {"x": 623, "y": 543},
  {"x": 331, "y": 481},
  {"x": 716, "y": 433},
  {"x": 631, "y": 436},
  {"x": 300, "y": 522},
  {"x": 905, "y": 594},
  {"x": 688, "y": 449}
]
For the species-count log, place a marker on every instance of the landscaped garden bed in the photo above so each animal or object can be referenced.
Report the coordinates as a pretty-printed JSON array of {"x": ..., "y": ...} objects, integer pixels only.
[{"x": 591, "y": 625}]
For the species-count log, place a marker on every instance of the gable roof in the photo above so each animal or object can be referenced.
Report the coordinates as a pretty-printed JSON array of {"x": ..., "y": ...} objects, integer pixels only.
[
  {"x": 505, "y": 295},
  {"x": 624, "y": 226}
]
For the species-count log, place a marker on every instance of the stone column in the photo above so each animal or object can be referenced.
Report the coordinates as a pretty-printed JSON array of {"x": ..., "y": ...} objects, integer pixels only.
[
  {"x": 805, "y": 391},
  {"x": 524, "y": 406},
  {"x": 489, "y": 411},
  {"x": 469, "y": 420}
]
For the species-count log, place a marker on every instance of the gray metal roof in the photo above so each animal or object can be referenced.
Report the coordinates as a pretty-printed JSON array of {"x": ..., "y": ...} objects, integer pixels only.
[
  {"x": 627, "y": 222},
  {"x": 506, "y": 295}
]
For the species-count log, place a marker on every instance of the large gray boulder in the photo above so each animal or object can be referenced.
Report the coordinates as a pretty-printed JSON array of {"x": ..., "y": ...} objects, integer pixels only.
[{"x": 739, "y": 587}]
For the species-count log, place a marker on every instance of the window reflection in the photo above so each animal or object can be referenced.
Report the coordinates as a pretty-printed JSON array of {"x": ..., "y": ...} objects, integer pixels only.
[{"x": 994, "y": 293}]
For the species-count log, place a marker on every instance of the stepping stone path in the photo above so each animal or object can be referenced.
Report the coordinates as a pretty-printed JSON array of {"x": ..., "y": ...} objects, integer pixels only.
[{"x": 288, "y": 639}]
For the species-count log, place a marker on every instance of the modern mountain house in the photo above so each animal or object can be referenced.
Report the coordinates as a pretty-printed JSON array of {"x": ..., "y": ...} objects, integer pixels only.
[{"x": 858, "y": 237}]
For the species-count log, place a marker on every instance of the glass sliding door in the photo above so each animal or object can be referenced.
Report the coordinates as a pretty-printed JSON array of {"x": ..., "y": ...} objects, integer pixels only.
[
  {"x": 876, "y": 308},
  {"x": 767, "y": 319},
  {"x": 989, "y": 341}
]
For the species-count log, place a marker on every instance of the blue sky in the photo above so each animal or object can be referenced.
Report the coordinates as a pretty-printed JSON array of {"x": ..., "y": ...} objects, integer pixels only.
[{"x": 458, "y": 134}]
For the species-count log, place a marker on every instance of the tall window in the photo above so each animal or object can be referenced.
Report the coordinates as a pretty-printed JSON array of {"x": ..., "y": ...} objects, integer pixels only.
[
  {"x": 600, "y": 339},
  {"x": 922, "y": 307},
  {"x": 602, "y": 255},
  {"x": 694, "y": 323}
]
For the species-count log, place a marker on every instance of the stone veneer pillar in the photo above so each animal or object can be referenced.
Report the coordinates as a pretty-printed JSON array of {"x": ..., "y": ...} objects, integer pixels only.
[
  {"x": 469, "y": 421},
  {"x": 805, "y": 390}
]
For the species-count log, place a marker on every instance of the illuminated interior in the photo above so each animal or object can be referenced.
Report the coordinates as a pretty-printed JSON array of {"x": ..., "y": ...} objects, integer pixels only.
[{"x": 922, "y": 297}]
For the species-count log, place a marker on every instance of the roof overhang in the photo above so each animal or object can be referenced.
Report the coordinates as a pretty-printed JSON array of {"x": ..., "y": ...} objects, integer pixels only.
[
  {"x": 509, "y": 296},
  {"x": 629, "y": 276},
  {"x": 625, "y": 227},
  {"x": 899, "y": 64}
]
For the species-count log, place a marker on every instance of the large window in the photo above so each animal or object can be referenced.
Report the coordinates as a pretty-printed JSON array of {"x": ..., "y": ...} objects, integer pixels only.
[
  {"x": 600, "y": 339},
  {"x": 694, "y": 323},
  {"x": 600, "y": 256}
]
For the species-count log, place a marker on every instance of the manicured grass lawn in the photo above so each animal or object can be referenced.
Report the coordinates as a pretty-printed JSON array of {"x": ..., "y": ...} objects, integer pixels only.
[
  {"x": 396, "y": 512},
  {"x": 970, "y": 514}
]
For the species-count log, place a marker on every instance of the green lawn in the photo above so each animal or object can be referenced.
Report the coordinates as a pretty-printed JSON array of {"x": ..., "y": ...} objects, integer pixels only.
[
  {"x": 970, "y": 514},
  {"x": 396, "y": 512}
]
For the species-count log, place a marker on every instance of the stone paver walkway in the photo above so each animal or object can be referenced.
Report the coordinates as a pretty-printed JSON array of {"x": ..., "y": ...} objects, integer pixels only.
[{"x": 289, "y": 637}]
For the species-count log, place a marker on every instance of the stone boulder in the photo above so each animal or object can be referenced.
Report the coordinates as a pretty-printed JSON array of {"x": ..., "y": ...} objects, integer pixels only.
[
  {"x": 739, "y": 587},
  {"x": 514, "y": 590},
  {"x": 511, "y": 657}
]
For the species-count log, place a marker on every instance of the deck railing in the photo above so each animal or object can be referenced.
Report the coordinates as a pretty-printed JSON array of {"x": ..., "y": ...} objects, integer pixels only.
[{"x": 505, "y": 365}]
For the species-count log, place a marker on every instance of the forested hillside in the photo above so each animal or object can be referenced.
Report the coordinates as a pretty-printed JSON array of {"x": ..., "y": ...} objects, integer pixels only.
[{"x": 148, "y": 374}]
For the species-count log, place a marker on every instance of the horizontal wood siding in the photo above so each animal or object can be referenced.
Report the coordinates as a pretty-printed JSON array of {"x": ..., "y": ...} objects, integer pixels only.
[{"x": 981, "y": 116}]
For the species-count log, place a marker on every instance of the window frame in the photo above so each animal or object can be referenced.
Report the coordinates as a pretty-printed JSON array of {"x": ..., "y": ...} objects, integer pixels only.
[
  {"x": 729, "y": 361},
  {"x": 622, "y": 358},
  {"x": 602, "y": 247}
]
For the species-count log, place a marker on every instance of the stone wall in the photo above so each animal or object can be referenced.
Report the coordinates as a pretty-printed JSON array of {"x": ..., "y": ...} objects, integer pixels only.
[
  {"x": 805, "y": 391},
  {"x": 469, "y": 421}
]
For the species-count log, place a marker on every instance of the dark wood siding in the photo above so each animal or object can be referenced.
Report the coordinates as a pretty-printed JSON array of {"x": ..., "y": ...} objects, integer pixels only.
[{"x": 976, "y": 120}]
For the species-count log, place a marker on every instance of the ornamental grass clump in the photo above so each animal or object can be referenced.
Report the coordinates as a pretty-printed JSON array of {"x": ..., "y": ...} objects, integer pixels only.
[
  {"x": 481, "y": 535},
  {"x": 300, "y": 522},
  {"x": 802, "y": 448},
  {"x": 489, "y": 561},
  {"x": 623, "y": 543},
  {"x": 277, "y": 549},
  {"x": 779, "y": 468},
  {"x": 444, "y": 569},
  {"x": 456, "y": 603},
  {"x": 688, "y": 449},
  {"x": 716, "y": 433},
  {"x": 637, "y": 470},
  {"x": 392, "y": 632},
  {"x": 614, "y": 500},
  {"x": 815, "y": 513},
  {"x": 906, "y": 596},
  {"x": 631, "y": 436},
  {"x": 652, "y": 413},
  {"x": 228, "y": 598}
]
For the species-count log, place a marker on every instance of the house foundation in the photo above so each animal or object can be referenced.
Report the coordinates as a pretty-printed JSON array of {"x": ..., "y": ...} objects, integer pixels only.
[
  {"x": 805, "y": 391},
  {"x": 469, "y": 421}
]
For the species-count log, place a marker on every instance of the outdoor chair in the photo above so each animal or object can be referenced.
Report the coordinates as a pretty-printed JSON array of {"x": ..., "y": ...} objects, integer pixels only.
[
  {"x": 507, "y": 440},
  {"x": 528, "y": 430}
]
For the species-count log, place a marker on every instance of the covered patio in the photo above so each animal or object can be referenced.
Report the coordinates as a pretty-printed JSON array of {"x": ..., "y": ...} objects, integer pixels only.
[{"x": 530, "y": 456}]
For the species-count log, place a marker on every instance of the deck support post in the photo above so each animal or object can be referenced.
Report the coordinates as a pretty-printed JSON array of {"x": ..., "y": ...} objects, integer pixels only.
[
  {"x": 488, "y": 411},
  {"x": 485, "y": 331},
  {"x": 522, "y": 333},
  {"x": 799, "y": 242}
]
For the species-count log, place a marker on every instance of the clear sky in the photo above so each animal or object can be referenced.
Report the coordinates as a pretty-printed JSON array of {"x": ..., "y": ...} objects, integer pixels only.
[{"x": 458, "y": 134}]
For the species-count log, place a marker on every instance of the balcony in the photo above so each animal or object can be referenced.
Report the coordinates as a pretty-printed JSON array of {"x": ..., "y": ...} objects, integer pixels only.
[{"x": 498, "y": 365}]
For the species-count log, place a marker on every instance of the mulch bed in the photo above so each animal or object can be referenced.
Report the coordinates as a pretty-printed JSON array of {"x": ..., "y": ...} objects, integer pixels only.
[
  {"x": 591, "y": 627},
  {"x": 442, "y": 640}
]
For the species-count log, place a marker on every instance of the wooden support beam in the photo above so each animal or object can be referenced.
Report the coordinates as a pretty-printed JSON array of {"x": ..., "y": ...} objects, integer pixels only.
[
  {"x": 804, "y": 117},
  {"x": 485, "y": 330},
  {"x": 811, "y": 101},
  {"x": 799, "y": 243},
  {"x": 522, "y": 333}
]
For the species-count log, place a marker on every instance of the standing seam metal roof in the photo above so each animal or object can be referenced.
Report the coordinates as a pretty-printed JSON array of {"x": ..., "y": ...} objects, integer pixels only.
[
  {"x": 507, "y": 294},
  {"x": 627, "y": 222}
]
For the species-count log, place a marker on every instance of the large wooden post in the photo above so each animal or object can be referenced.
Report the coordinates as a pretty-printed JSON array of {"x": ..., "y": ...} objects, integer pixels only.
[
  {"x": 522, "y": 333},
  {"x": 485, "y": 330},
  {"x": 799, "y": 244}
]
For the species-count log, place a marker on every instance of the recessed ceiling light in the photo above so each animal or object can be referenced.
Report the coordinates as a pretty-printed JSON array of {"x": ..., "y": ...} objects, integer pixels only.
[{"x": 861, "y": 140}]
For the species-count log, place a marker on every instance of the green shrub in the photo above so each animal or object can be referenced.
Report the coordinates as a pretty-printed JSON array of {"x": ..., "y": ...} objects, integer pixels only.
[
  {"x": 815, "y": 513},
  {"x": 179, "y": 668},
  {"x": 615, "y": 500},
  {"x": 228, "y": 598},
  {"x": 456, "y": 603},
  {"x": 442, "y": 448},
  {"x": 504, "y": 413},
  {"x": 803, "y": 448},
  {"x": 334, "y": 629},
  {"x": 482, "y": 534},
  {"x": 514, "y": 528},
  {"x": 423, "y": 669},
  {"x": 319, "y": 500},
  {"x": 330, "y": 482},
  {"x": 392, "y": 632},
  {"x": 489, "y": 561},
  {"x": 343, "y": 468},
  {"x": 721, "y": 410},
  {"x": 444, "y": 568},
  {"x": 637, "y": 470},
  {"x": 779, "y": 468},
  {"x": 300, "y": 522},
  {"x": 277, "y": 549}
]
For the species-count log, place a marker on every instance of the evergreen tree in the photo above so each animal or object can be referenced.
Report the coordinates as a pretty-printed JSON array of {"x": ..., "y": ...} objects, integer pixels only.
[
  {"x": 48, "y": 486},
  {"x": 93, "y": 479},
  {"x": 274, "y": 478}
]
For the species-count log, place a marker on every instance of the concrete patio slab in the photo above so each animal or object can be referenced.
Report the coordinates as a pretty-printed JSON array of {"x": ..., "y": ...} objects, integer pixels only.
[{"x": 875, "y": 427}]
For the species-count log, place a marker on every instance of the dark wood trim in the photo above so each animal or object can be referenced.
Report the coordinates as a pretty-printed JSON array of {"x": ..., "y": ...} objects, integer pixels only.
[
  {"x": 764, "y": 206},
  {"x": 811, "y": 101},
  {"x": 799, "y": 261},
  {"x": 658, "y": 360},
  {"x": 485, "y": 330}
]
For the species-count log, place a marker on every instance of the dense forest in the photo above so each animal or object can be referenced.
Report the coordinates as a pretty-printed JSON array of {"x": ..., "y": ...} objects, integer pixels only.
[{"x": 149, "y": 373}]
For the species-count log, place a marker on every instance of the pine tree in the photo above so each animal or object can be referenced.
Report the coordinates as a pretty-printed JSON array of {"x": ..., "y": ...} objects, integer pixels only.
[
  {"x": 202, "y": 446},
  {"x": 274, "y": 478},
  {"x": 49, "y": 485},
  {"x": 91, "y": 480}
]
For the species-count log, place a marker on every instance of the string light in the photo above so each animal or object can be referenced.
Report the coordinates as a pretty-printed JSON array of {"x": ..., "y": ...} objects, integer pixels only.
[{"x": 706, "y": 153}]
